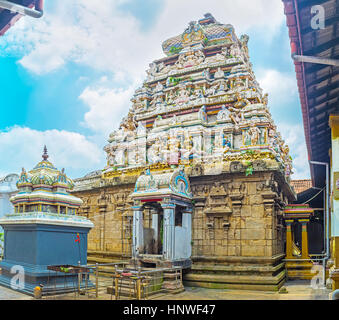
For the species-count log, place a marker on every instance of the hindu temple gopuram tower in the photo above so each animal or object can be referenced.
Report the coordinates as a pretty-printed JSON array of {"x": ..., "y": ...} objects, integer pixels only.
[{"x": 197, "y": 174}]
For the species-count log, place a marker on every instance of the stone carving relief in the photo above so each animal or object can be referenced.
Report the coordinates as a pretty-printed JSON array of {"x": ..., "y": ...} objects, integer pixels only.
[
  {"x": 236, "y": 194},
  {"x": 223, "y": 114},
  {"x": 217, "y": 208},
  {"x": 254, "y": 135},
  {"x": 190, "y": 59}
]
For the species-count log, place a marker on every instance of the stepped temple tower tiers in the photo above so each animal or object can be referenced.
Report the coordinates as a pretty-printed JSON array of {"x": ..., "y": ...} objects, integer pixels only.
[
  {"x": 197, "y": 174},
  {"x": 43, "y": 229}
]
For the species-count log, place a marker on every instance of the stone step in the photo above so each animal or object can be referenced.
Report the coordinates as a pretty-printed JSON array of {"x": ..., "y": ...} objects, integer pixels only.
[
  {"x": 299, "y": 275},
  {"x": 234, "y": 279},
  {"x": 236, "y": 269},
  {"x": 302, "y": 270},
  {"x": 171, "y": 276},
  {"x": 125, "y": 292},
  {"x": 169, "y": 284},
  {"x": 130, "y": 292},
  {"x": 172, "y": 285},
  {"x": 103, "y": 254}
]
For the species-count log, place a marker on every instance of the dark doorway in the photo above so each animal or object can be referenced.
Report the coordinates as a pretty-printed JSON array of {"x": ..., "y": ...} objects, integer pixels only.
[
  {"x": 160, "y": 237},
  {"x": 153, "y": 229}
]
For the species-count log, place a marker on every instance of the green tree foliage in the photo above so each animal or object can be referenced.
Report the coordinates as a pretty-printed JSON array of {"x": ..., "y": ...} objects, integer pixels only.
[{"x": 249, "y": 168}]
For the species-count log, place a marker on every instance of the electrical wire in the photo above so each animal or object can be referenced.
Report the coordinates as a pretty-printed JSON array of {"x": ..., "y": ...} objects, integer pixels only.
[{"x": 314, "y": 196}]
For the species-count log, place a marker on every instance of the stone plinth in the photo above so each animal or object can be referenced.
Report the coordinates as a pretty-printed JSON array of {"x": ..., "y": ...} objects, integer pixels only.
[{"x": 248, "y": 273}]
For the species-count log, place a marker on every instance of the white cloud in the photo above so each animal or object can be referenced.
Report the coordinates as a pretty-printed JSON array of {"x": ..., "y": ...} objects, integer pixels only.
[
  {"x": 100, "y": 35},
  {"x": 281, "y": 87},
  {"x": 295, "y": 138},
  {"x": 22, "y": 147},
  {"x": 107, "y": 106},
  {"x": 282, "y": 90},
  {"x": 244, "y": 15},
  {"x": 105, "y": 38}
]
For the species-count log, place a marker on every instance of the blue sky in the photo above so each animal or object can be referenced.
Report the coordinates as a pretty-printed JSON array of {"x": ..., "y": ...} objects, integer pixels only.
[{"x": 66, "y": 79}]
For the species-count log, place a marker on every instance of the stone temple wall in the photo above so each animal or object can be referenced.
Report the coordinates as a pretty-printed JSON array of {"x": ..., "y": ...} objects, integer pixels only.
[
  {"x": 107, "y": 208},
  {"x": 237, "y": 226},
  {"x": 247, "y": 228}
]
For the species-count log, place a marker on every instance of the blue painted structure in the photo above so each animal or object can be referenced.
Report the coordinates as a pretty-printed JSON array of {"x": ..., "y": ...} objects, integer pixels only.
[
  {"x": 34, "y": 243},
  {"x": 44, "y": 231}
]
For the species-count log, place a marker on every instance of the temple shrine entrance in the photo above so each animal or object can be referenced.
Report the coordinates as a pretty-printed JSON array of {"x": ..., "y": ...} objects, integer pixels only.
[
  {"x": 153, "y": 222},
  {"x": 162, "y": 219}
]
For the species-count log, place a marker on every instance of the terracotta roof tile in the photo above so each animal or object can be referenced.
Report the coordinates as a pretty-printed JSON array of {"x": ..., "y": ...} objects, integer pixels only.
[{"x": 301, "y": 185}]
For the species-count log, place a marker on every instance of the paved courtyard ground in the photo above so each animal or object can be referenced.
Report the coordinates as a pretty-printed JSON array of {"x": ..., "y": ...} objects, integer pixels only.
[
  {"x": 8, "y": 294},
  {"x": 296, "y": 290}
]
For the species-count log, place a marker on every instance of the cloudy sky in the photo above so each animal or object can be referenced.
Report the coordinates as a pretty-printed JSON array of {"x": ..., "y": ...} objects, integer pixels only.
[{"x": 66, "y": 79}]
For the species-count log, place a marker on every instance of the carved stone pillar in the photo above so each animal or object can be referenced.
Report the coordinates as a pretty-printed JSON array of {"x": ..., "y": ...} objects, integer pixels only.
[
  {"x": 210, "y": 227},
  {"x": 334, "y": 271},
  {"x": 269, "y": 202},
  {"x": 304, "y": 238},
  {"x": 102, "y": 204},
  {"x": 289, "y": 240},
  {"x": 217, "y": 207},
  {"x": 236, "y": 195},
  {"x": 199, "y": 202},
  {"x": 169, "y": 225},
  {"x": 198, "y": 221},
  {"x": 187, "y": 223},
  {"x": 226, "y": 226},
  {"x": 138, "y": 231},
  {"x": 236, "y": 199},
  {"x": 155, "y": 224},
  {"x": 86, "y": 210}
]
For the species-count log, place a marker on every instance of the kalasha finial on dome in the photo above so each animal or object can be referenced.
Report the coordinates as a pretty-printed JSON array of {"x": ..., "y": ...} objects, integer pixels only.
[{"x": 45, "y": 155}]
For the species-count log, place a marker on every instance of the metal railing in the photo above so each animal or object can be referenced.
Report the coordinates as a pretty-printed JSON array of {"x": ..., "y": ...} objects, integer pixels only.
[
  {"x": 108, "y": 280},
  {"x": 144, "y": 283},
  {"x": 88, "y": 280}
]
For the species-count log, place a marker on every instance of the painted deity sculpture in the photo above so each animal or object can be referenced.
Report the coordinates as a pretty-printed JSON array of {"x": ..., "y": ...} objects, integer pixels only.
[{"x": 253, "y": 134}]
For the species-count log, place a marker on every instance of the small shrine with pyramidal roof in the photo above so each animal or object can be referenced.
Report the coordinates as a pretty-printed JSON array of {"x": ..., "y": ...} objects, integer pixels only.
[
  {"x": 197, "y": 174},
  {"x": 43, "y": 229}
]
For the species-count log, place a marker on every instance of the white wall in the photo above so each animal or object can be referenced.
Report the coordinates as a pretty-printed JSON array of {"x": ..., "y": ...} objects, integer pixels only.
[
  {"x": 7, "y": 189},
  {"x": 183, "y": 238}
]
